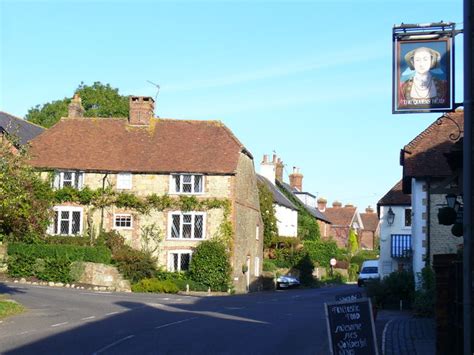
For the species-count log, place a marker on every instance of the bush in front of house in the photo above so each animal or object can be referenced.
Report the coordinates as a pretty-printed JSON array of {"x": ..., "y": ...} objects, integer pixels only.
[
  {"x": 306, "y": 268},
  {"x": 181, "y": 279},
  {"x": 396, "y": 287},
  {"x": 424, "y": 302},
  {"x": 155, "y": 286},
  {"x": 50, "y": 262},
  {"x": 65, "y": 239},
  {"x": 352, "y": 271},
  {"x": 133, "y": 264},
  {"x": 363, "y": 255},
  {"x": 269, "y": 265},
  {"x": 210, "y": 265}
]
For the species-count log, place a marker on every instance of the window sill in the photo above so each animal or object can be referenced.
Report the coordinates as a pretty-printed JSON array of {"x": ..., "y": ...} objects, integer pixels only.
[{"x": 185, "y": 239}]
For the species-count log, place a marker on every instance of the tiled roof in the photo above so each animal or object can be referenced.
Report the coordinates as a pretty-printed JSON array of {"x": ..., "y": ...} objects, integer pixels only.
[
  {"x": 18, "y": 128},
  {"x": 278, "y": 196},
  {"x": 340, "y": 216},
  {"x": 395, "y": 197},
  {"x": 370, "y": 221},
  {"x": 424, "y": 155},
  {"x": 111, "y": 144},
  {"x": 313, "y": 211}
]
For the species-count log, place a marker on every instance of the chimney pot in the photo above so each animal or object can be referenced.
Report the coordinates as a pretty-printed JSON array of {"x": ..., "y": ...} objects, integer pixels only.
[
  {"x": 336, "y": 204},
  {"x": 322, "y": 202},
  {"x": 369, "y": 210},
  {"x": 75, "y": 108},
  {"x": 296, "y": 179}
]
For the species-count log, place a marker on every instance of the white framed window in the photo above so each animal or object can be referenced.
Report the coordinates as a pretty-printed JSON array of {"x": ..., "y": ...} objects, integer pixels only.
[
  {"x": 124, "y": 181},
  {"x": 187, "y": 184},
  {"x": 179, "y": 260},
  {"x": 257, "y": 266},
  {"x": 186, "y": 225},
  {"x": 407, "y": 218},
  {"x": 67, "y": 220},
  {"x": 73, "y": 179},
  {"x": 122, "y": 221}
]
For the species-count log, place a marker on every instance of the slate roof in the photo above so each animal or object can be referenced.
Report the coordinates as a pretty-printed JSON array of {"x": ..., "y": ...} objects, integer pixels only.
[
  {"x": 370, "y": 221},
  {"x": 395, "y": 196},
  {"x": 278, "y": 197},
  {"x": 340, "y": 216},
  {"x": 17, "y": 127},
  {"x": 313, "y": 211},
  {"x": 425, "y": 156},
  {"x": 111, "y": 144}
]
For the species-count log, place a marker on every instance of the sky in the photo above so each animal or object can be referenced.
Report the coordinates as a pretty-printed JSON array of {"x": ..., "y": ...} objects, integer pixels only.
[{"x": 309, "y": 80}]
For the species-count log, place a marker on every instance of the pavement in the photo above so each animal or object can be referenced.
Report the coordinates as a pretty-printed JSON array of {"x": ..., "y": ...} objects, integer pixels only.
[{"x": 400, "y": 333}]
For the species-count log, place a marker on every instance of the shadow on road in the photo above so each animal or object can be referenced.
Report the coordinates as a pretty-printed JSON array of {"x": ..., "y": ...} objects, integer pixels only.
[{"x": 4, "y": 289}]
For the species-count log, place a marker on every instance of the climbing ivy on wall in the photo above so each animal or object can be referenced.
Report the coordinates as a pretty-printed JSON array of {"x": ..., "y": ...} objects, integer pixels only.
[{"x": 267, "y": 211}]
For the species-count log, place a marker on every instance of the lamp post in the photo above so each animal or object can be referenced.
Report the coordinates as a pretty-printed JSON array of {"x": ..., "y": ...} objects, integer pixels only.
[{"x": 390, "y": 216}]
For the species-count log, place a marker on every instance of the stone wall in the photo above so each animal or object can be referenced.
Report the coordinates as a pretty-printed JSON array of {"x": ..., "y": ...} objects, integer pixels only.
[
  {"x": 99, "y": 275},
  {"x": 248, "y": 245}
]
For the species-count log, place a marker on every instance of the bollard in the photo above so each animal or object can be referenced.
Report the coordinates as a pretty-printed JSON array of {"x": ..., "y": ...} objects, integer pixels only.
[{"x": 187, "y": 288}]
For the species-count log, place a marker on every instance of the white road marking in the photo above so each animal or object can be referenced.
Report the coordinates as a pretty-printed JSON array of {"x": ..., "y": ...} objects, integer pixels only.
[
  {"x": 166, "y": 299},
  {"x": 87, "y": 318},
  {"x": 59, "y": 324},
  {"x": 232, "y": 308},
  {"x": 384, "y": 334},
  {"x": 113, "y": 344},
  {"x": 173, "y": 323},
  {"x": 111, "y": 313},
  {"x": 23, "y": 333}
]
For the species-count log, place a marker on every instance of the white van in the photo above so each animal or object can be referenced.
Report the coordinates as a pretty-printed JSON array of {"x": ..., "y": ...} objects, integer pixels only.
[{"x": 369, "y": 271}]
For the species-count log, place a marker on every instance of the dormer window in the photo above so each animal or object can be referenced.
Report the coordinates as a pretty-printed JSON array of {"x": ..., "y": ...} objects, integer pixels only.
[
  {"x": 187, "y": 184},
  {"x": 74, "y": 179}
]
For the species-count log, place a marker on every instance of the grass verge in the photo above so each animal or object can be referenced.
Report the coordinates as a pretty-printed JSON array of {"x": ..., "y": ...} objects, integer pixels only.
[{"x": 9, "y": 308}]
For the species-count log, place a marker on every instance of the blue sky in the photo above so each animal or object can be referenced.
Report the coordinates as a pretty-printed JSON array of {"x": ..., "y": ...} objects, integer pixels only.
[{"x": 310, "y": 80}]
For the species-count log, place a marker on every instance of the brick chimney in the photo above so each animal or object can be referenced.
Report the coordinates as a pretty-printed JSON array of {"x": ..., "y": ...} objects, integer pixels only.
[
  {"x": 336, "y": 204},
  {"x": 141, "y": 110},
  {"x": 296, "y": 179},
  {"x": 369, "y": 210},
  {"x": 348, "y": 205},
  {"x": 279, "y": 170},
  {"x": 322, "y": 202},
  {"x": 267, "y": 168},
  {"x": 75, "y": 108}
]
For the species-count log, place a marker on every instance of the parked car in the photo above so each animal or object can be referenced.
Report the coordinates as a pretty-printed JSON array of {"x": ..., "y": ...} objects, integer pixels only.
[
  {"x": 287, "y": 281},
  {"x": 368, "y": 272}
]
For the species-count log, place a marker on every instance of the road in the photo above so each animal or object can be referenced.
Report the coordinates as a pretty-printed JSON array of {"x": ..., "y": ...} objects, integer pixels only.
[{"x": 71, "y": 321}]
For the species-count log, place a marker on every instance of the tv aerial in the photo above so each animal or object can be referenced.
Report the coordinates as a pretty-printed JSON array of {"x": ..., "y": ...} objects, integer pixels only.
[{"x": 157, "y": 88}]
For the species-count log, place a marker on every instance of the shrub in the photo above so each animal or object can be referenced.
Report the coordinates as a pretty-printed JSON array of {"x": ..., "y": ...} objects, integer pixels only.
[
  {"x": 133, "y": 264},
  {"x": 321, "y": 251},
  {"x": 112, "y": 240},
  {"x": 395, "y": 287},
  {"x": 210, "y": 265},
  {"x": 155, "y": 285},
  {"x": 193, "y": 285},
  {"x": 287, "y": 257},
  {"x": 306, "y": 267},
  {"x": 424, "y": 301},
  {"x": 59, "y": 239},
  {"x": 353, "y": 269},
  {"x": 364, "y": 255},
  {"x": 53, "y": 269},
  {"x": 269, "y": 265}
]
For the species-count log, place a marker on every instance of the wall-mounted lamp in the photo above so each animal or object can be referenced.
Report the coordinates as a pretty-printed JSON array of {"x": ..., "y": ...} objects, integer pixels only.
[
  {"x": 390, "y": 216},
  {"x": 451, "y": 200}
]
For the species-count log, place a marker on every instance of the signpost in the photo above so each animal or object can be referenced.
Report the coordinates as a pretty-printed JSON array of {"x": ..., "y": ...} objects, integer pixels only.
[{"x": 351, "y": 328}]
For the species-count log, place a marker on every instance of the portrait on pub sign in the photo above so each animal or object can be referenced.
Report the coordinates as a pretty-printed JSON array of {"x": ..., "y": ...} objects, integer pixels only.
[{"x": 422, "y": 76}]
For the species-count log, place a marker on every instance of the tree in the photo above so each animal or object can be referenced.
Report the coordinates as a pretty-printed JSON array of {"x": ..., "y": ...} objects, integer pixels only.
[
  {"x": 267, "y": 211},
  {"x": 98, "y": 100},
  {"x": 25, "y": 199},
  {"x": 352, "y": 244}
]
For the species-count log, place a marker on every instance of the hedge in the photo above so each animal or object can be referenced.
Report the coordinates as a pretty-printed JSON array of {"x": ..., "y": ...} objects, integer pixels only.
[
  {"x": 51, "y": 262},
  {"x": 155, "y": 285},
  {"x": 59, "y": 251}
]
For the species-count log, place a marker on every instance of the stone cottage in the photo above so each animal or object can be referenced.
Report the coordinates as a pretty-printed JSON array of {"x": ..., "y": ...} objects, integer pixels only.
[{"x": 157, "y": 158}]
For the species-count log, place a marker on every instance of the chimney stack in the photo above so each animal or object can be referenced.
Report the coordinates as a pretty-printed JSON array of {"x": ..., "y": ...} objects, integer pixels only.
[
  {"x": 267, "y": 168},
  {"x": 141, "y": 110},
  {"x": 279, "y": 170},
  {"x": 322, "y": 202},
  {"x": 75, "y": 108},
  {"x": 369, "y": 210},
  {"x": 336, "y": 204},
  {"x": 296, "y": 179}
]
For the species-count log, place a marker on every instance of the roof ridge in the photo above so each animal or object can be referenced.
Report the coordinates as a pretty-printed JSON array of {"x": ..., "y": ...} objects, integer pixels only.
[{"x": 21, "y": 119}]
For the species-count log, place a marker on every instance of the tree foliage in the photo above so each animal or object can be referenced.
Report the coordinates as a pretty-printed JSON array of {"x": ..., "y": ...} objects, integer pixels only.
[
  {"x": 98, "y": 100},
  {"x": 267, "y": 211},
  {"x": 25, "y": 199},
  {"x": 353, "y": 244}
]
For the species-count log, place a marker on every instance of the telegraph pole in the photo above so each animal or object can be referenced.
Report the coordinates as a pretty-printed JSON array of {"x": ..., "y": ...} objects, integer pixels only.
[{"x": 467, "y": 176}]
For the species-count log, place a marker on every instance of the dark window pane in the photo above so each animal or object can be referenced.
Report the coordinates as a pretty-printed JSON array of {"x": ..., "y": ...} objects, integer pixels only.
[
  {"x": 67, "y": 178},
  {"x": 177, "y": 183},
  {"x": 175, "y": 226},
  {"x": 56, "y": 222},
  {"x": 76, "y": 222},
  {"x": 408, "y": 217},
  {"x": 185, "y": 259},
  {"x": 198, "y": 224},
  {"x": 175, "y": 262},
  {"x": 198, "y": 183}
]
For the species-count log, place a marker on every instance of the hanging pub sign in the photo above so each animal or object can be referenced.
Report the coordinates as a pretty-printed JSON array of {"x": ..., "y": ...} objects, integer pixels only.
[{"x": 423, "y": 77}]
